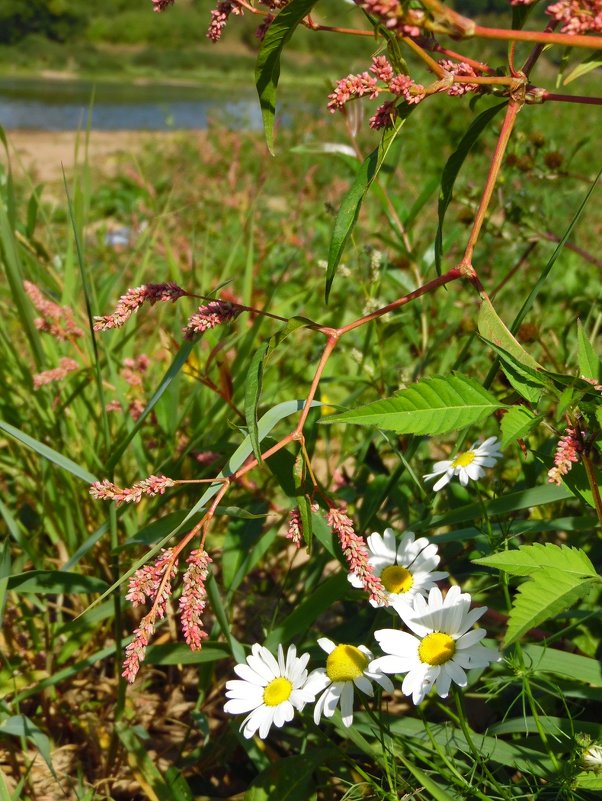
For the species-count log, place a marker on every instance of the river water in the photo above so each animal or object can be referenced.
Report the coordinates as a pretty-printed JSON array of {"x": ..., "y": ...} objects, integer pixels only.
[{"x": 65, "y": 105}]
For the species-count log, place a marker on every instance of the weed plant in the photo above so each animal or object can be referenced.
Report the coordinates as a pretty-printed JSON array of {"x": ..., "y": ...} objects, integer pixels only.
[{"x": 430, "y": 430}]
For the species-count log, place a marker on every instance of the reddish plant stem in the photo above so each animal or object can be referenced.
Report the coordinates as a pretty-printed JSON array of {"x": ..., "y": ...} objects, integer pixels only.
[
  {"x": 477, "y": 65},
  {"x": 446, "y": 278},
  {"x": 537, "y": 50},
  {"x": 496, "y": 162},
  {"x": 564, "y": 39},
  {"x": 592, "y": 101}
]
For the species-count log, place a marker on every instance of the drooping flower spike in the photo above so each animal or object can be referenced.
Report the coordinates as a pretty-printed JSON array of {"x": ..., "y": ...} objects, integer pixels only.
[
  {"x": 347, "y": 666},
  {"x": 269, "y": 690},
  {"x": 406, "y": 570},
  {"x": 466, "y": 465},
  {"x": 443, "y": 648}
]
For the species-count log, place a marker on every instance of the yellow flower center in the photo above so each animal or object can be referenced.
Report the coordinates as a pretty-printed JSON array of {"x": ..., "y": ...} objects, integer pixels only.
[
  {"x": 277, "y": 691},
  {"x": 345, "y": 663},
  {"x": 397, "y": 579},
  {"x": 464, "y": 459},
  {"x": 436, "y": 648}
]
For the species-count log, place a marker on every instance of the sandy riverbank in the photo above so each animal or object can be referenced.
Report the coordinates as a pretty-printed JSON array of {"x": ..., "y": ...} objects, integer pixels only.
[{"x": 44, "y": 154}]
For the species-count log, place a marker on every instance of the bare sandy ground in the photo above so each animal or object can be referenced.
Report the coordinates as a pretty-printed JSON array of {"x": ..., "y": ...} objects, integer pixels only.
[{"x": 44, "y": 154}]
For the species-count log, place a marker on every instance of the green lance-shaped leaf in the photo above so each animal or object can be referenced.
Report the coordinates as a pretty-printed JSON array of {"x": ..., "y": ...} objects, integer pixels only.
[
  {"x": 589, "y": 363},
  {"x": 53, "y": 582},
  {"x": 453, "y": 167},
  {"x": 528, "y": 559},
  {"x": 431, "y": 406},
  {"x": 546, "y": 594},
  {"x": 267, "y": 68},
  {"x": 352, "y": 202},
  {"x": 587, "y": 65},
  {"x": 517, "y": 423}
]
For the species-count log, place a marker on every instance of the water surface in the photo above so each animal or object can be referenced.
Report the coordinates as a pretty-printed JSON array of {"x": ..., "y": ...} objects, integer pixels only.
[{"x": 64, "y": 105}]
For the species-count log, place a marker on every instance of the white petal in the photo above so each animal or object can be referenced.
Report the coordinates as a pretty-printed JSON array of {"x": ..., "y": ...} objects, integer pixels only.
[
  {"x": 267, "y": 721},
  {"x": 331, "y": 698},
  {"x": 237, "y": 706},
  {"x": 326, "y": 645},
  {"x": 317, "y": 681},
  {"x": 249, "y": 675},
  {"x": 470, "y": 638},
  {"x": 253, "y": 721},
  {"x": 355, "y": 581},
  {"x": 442, "y": 482},
  {"x": 319, "y": 708},
  {"x": 362, "y": 683},
  {"x": 443, "y": 684},
  {"x": 456, "y": 673},
  {"x": 384, "y": 681},
  {"x": 283, "y": 713},
  {"x": 347, "y": 703},
  {"x": 398, "y": 643},
  {"x": 392, "y": 664}
]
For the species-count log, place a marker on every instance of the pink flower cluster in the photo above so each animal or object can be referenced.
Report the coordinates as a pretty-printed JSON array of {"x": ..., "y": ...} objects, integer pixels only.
[
  {"x": 219, "y": 18},
  {"x": 161, "y": 5},
  {"x": 58, "y": 321},
  {"x": 153, "y": 582},
  {"x": 567, "y": 453},
  {"x": 136, "y": 650},
  {"x": 193, "y": 598},
  {"x": 399, "y": 85},
  {"x": 134, "y": 369},
  {"x": 65, "y": 367},
  {"x": 146, "y": 581},
  {"x": 464, "y": 70},
  {"x": 356, "y": 554},
  {"x": 577, "y": 16},
  {"x": 295, "y": 525},
  {"x": 134, "y": 298},
  {"x": 214, "y": 313},
  {"x": 151, "y": 486},
  {"x": 407, "y": 22}
]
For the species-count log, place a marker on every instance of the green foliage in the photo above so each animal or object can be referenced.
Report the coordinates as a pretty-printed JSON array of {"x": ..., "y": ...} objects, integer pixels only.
[
  {"x": 567, "y": 570},
  {"x": 431, "y": 406}
]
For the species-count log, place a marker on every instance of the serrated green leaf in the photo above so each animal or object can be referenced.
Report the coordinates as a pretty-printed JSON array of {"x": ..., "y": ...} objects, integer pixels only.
[
  {"x": 431, "y": 406},
  {"x": 589, "y": 363},
  {"x": 352, "y": 202},
  {"x": 517, "y": 423},
  {"x": 589, "y": 781},
  {"x": 453, "y": 167},
  {"x": 527, "y": 559},
  {"x": 267, "y": 69},
  {"x": 534, "y": 603}
]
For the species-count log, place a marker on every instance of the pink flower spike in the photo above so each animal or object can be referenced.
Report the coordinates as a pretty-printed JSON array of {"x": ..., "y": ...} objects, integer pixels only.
[
  {"x": 134, "y": 298},
  {"x": 356, "y": 553},
  {"x": 295, "y": 525},
  {"x": 146, "y": 580},
  {"x": 162, "y": 5},
  {"x": 567, "y": 453},
  {"x": 193, "y": 598},
  {"x": 136, "y": 650},
  {"x": 577, "y": 16},
  {"x": 151, "y": 486},
  {"x": 214, "y": 313},
  {"x": 65, "y": 367}
]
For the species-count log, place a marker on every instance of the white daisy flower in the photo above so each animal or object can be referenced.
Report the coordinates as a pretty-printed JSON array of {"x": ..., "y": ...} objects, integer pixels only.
[
  {"x": 591, "y": 758},
  {"x": 270, "y": 689},
  {"x": 466, "y": 465},
  {"x": 346, "y": 666},
  {"x": 406, "y": 570},
  {"x": 443, "y": 648}
]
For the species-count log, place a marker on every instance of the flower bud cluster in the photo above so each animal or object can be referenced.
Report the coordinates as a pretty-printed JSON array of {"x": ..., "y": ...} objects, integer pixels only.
[
  {"x": 134, "y": 298},
  {"x": 151, "y": 486}
]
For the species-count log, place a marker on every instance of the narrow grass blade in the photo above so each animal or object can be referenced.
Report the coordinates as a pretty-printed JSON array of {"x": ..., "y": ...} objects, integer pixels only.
[{"x": 48, "y": 453}]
